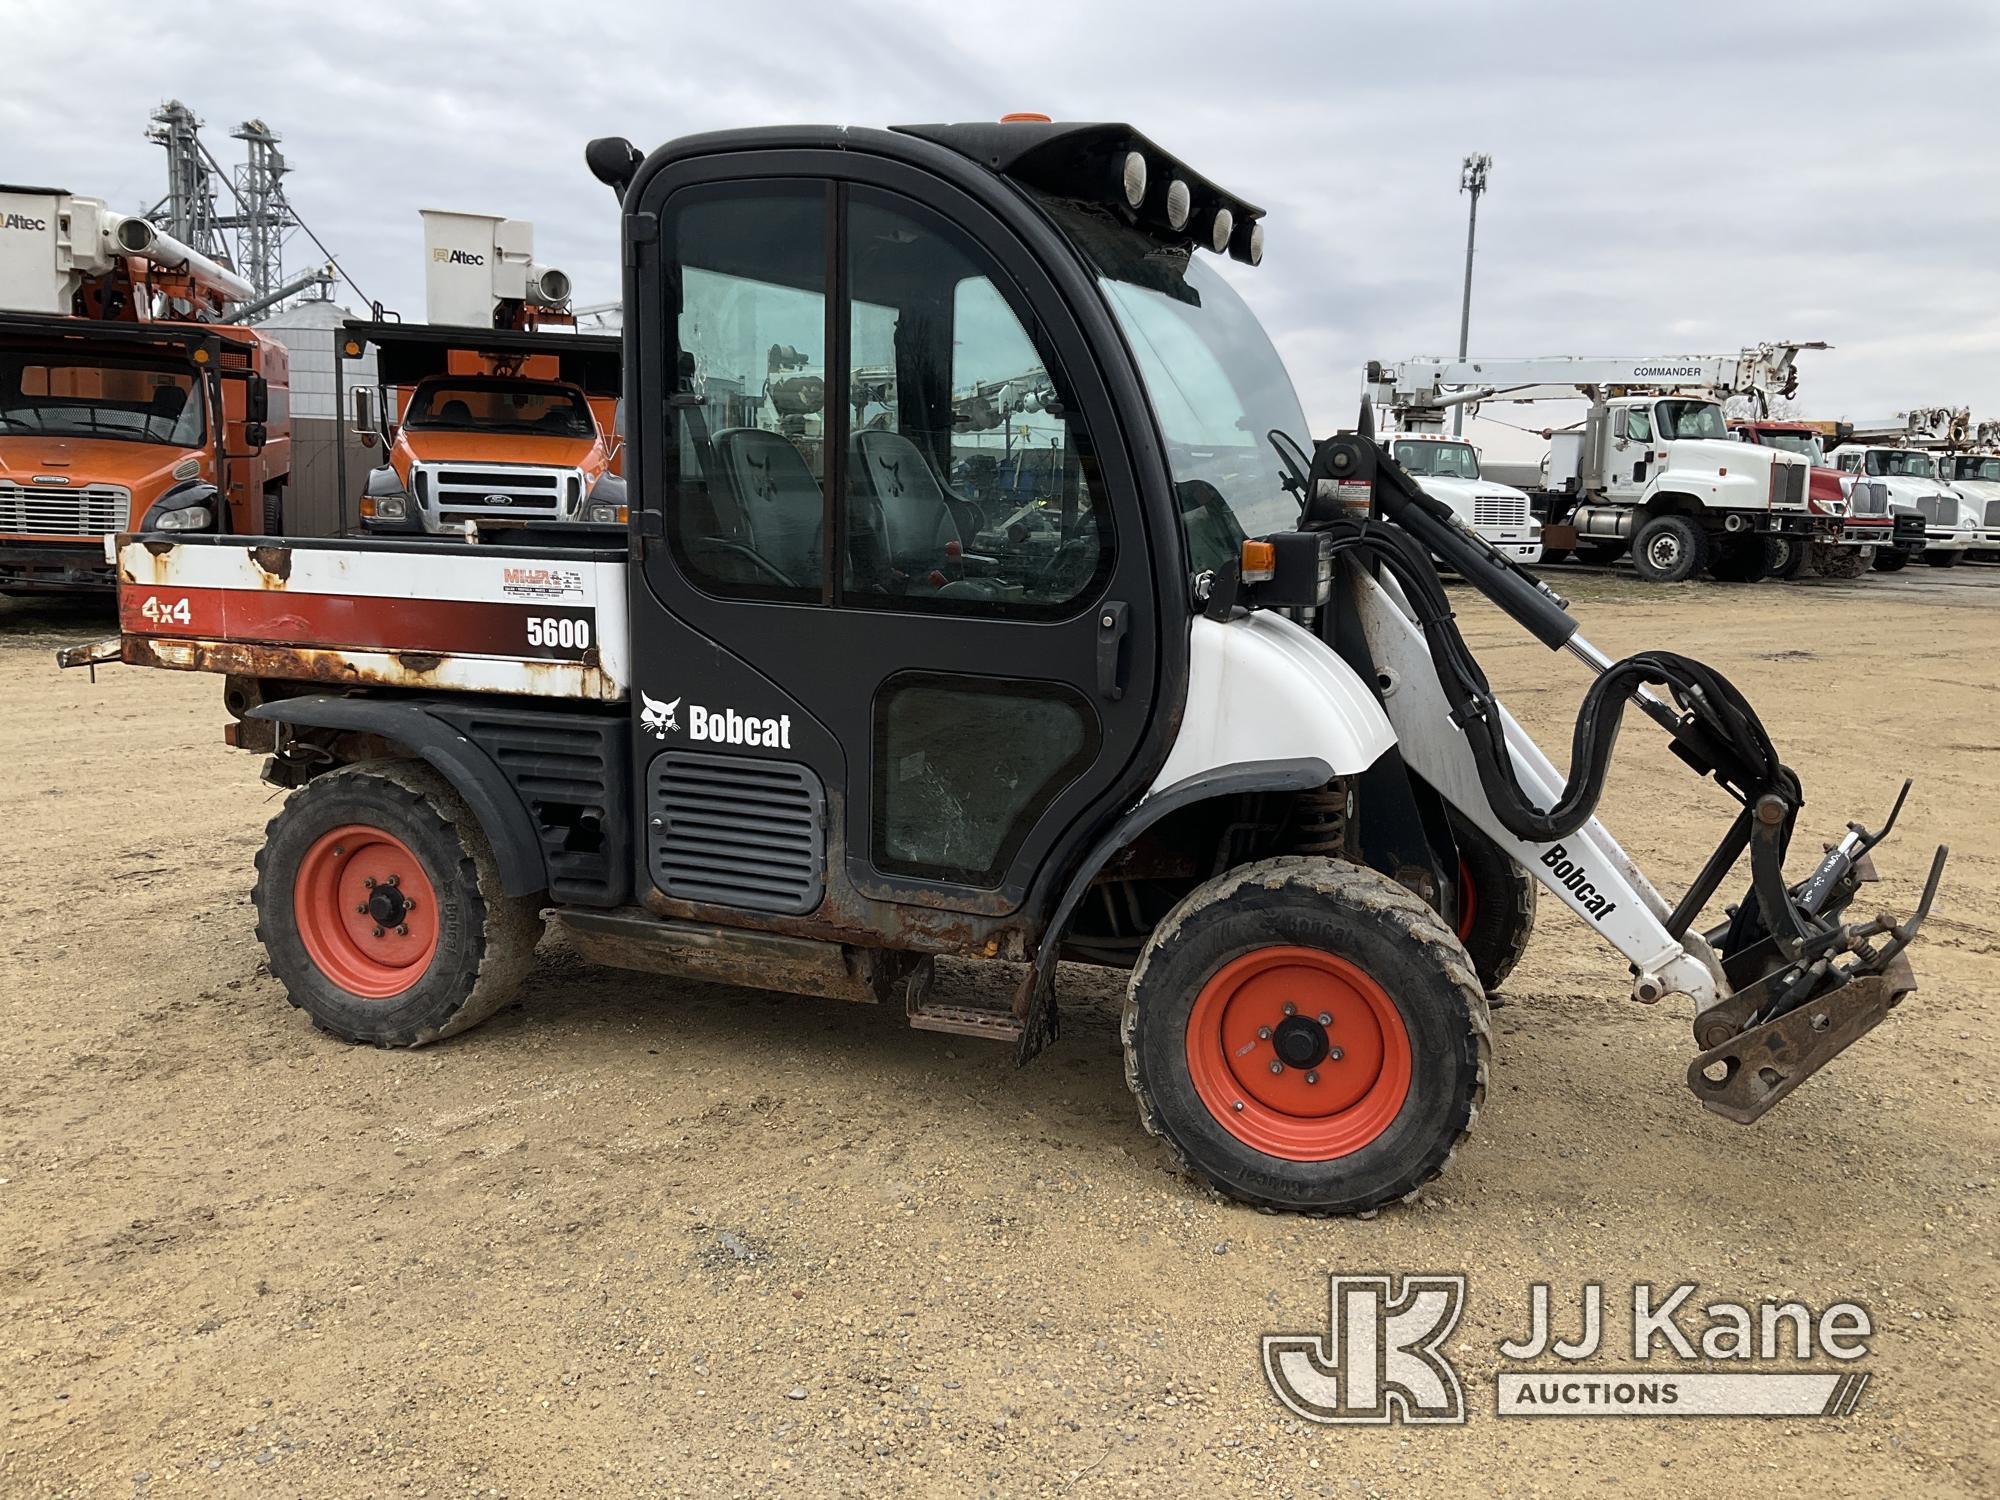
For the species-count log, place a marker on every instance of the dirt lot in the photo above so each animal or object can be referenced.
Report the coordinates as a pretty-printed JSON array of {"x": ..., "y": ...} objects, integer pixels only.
[{"x": 642, "y": 1237}]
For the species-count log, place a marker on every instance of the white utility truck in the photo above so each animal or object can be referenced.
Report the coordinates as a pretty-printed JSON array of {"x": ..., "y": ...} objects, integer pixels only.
[
  {"x": 1653, "y": 466},
  {"x": 1975, "y": 475},
  {"x": 1447, "y": 469},
  {"x": 1901, "y": 458}
]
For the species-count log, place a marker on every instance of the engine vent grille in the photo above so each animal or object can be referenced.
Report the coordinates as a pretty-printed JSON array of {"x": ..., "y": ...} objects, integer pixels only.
[
  {"x": 1993, "y": 513},
  {"x": 737, "y": 831},
  {"x": 1499, "y": 510},
  {"x": 1939, "y": 510},
  {"x": 1792, "y": 490},
  {"x": 87, "y": 510}
]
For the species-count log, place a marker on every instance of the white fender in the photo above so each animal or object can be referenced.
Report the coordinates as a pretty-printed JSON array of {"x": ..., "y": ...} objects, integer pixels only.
[{"x": 1262, "y": 688}]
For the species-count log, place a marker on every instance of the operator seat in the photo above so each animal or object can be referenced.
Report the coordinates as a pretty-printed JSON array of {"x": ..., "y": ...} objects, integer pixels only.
[
  {"x": 914, "y": 521},
  {"x": 780, "y": 512},
  {"x": 455, "y": 411}
]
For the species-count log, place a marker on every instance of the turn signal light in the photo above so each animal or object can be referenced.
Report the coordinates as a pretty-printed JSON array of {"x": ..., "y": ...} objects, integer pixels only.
[{"x": 1259, "y": 562}]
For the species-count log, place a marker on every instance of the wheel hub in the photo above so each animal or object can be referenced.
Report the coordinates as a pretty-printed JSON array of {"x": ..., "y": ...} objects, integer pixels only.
[
  {"x": 387, "y": 903},
  {"x": 366, "y": 912},
  {"x": 1300, "y": 1042}
]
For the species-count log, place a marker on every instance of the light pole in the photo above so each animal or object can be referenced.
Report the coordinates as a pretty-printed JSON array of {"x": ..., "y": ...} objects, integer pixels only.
[{"x": 1471, "y": 179}]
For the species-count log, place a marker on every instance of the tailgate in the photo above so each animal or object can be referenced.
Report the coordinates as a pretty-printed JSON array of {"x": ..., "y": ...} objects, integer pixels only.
[{"x": 541, "y": 622}]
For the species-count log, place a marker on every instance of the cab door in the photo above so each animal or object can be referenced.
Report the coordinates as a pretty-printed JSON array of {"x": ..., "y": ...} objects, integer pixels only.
[
  {"x": 1627, "y": 451},
  {"x": 896, "y": 642}
]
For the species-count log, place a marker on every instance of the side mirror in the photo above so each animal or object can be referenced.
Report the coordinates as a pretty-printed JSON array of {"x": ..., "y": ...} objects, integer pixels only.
[
  {"x": 618, "y": 418},
  {"x": 256, "y": 399},
  {"x": 255, "y": 435},
  {"x": 364, "y": 415}
]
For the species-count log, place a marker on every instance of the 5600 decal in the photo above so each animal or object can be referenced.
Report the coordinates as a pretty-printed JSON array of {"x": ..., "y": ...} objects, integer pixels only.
[{"x": 561, "y": 634}]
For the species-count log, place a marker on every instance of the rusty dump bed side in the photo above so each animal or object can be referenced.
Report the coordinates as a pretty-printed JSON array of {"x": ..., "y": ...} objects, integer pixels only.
[{"x": 441, "y": 615}]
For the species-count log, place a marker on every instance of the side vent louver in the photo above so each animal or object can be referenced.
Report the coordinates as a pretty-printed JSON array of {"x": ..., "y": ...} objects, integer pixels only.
[{"x": 737, "y": 831}]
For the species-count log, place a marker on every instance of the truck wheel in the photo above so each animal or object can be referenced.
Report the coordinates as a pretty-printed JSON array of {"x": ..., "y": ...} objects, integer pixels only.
[
  {"x": 379, "y": 904},
  {"x": 1943, "y": 559},
  {"x": 1307, "y": 1035},
  {"x": 1669, "y": 549},
  {"x": 1831, "y": 560},
  {"x": 1496, "y": 903},
  {"x": 1738, "y": 559},
  {"x": 1891, "y": 559},
  {"x": 1785, "y": 556},
  {"x": 1555, "y": 554},
  {"x": 274, "y": 510}
]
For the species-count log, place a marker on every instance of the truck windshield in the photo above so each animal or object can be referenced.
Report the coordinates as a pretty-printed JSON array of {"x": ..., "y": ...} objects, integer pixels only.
[
  {"x": 1901, "y": 463},
  {"x": 130, "y": 400},
  {"x": 1217, "y": 385},
  {"x": 500, "y": 406},
  {"x": 1969, "y": 466},
  {"x": 1438, "y": 460},
  {"x": 1806, "y": 444},
  {"x": 1689, "y": 419}
]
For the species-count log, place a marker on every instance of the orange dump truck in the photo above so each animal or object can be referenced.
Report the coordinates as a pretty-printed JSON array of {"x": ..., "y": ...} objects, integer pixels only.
[
  {"x": 125, "y": 401},
  {"x": 496, "y": 413}
]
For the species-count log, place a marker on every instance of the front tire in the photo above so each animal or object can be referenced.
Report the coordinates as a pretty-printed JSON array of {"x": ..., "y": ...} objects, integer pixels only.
[
  {"x": 1669, "y": 549},
  {"x": 379, "y": 904},
  {"x": 1891, "y": 559},
  {"x": 1830, "y": 560},
  {"x": 274, "y": 510},
  {"x": 1496, "y": 903},
  {"x": 1739, "y": 559},
  {"x": 1786, "y": 556},
  {"x": 1353, "y": 990},
  {"x": 1943, "y": 559}
]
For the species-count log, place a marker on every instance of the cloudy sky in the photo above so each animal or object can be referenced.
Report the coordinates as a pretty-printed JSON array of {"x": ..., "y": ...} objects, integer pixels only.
[{"x": 1677, "y": 178}]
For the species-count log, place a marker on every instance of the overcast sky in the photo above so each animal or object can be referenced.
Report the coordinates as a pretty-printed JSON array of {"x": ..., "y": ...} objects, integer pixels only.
[{"x": 1673, "y": 178}]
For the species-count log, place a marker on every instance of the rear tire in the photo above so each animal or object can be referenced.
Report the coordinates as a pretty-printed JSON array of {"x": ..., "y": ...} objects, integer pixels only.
[
  {"x": 274, "y": 510},
  {"x": 1891, "y": 559},
  {"x": 1327, "y": 1133},
  {"x": 1496, "y": 903},
  {"x": 441, "y": 946},
  {"x": 1669, "y": 549},
  {"x": 1786, "y": 556}
]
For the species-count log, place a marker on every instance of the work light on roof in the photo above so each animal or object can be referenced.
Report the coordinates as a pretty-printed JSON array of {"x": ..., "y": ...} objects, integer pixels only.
[
  {"x": 1133, "y": 179},
  {"x": 1247, "y": 244},
  {"x": 1219, "y": 229},
  {"x": 1180, "y": 203}
]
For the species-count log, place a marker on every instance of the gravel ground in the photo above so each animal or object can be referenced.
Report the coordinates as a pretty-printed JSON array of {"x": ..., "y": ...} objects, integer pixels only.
[{"x": 642, "y": 1237}]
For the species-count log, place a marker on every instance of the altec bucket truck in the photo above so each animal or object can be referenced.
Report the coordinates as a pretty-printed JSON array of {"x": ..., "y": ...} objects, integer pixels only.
[
  {"x": 1652, "y": 467},
  {"x": 127, "y": 401},
  {"x": 798, "y": 732},
  {"x": 495, "y": 414},
  {"x": 1898, "y": 464}
]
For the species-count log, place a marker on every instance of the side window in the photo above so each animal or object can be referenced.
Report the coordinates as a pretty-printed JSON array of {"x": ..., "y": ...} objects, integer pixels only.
[
  {"x": 1638, "y": 424},
  {"x": 963, "y": 766},
  {"x": 749, "y": 404},
  {"x": 970, "y": 485}
]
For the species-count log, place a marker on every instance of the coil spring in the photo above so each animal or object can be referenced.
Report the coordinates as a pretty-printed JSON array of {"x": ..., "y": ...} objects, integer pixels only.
[{"x": 1319, "y": 821}]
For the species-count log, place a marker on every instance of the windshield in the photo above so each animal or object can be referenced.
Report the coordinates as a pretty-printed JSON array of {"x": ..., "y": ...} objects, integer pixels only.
[
  {"x": 1970, "y": 466},
  {"x": 1806, "y": 444},
  {"x": 1438, "y": 460},
  {"x": 500, "y": 406},
  {"x": 1689, "y": 419},
  {"x": 1901, "y": 463},
  {"x": 1217, "y": 386},
  {"x": 131, "y": 400}
]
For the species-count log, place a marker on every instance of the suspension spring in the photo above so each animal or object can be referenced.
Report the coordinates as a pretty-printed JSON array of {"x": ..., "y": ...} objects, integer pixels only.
[{"x": 1319, "y": 821}]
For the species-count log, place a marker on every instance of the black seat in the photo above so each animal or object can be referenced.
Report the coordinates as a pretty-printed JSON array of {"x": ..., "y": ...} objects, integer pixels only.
[
  {"x": 913, "y": 520},
  {"x": 780, "y": 513}
]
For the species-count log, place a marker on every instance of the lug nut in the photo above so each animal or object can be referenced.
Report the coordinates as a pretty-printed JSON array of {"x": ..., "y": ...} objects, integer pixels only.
[
  {"x": 1313, "y": 1077},
  {"x": 408, "y": 904},
  {"x": 368, "y": 882},
  {"x": 378, "y": 932},
  {"x": 1326, "y": 1018},
  {"x": 395, "y": 880},
  {"x": 1291, "y": 1009},
  {"x": 361, "y": 910},
  {"x": 403, "y": 930},
  {"x": 1277, "y": 1067},
  {"x": 1263, "y": 1033},
  {"x": 1335, "y": 1054}
]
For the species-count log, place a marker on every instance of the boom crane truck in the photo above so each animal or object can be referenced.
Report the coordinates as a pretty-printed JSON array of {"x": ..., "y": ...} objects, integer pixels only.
[
  {"x": 1898, "y": 464},
  {"x": 1224, "y": 734},
  {"x": 495, "y": 413},
  {"x": 1652, "y": 467},
  {"x": 127, "y": 400}
]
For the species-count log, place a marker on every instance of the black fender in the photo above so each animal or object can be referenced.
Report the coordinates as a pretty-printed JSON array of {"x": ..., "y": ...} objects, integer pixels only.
[
  {"x": 470, "y": 770},
  {"x": 1301, "y": 775}
]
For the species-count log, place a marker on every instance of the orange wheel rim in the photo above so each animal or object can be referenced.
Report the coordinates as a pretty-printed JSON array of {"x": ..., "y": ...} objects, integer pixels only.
[
  {"x": 1298, "y": 1053},
  {"x": 366, "y": 911},
  {"x": 1468, "y": 900}
]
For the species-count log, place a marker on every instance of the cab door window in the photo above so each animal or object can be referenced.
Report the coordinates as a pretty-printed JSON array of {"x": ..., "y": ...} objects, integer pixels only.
[
  {"x": 970, "y": 487},
  {"x": 748, "y": 518}
]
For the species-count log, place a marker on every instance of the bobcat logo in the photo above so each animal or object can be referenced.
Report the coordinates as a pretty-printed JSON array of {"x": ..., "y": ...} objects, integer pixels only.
[{"x": 658, "y": 716}]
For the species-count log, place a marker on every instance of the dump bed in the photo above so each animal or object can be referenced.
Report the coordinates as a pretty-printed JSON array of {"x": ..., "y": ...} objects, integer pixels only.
[{"x": 541, "y": 622}]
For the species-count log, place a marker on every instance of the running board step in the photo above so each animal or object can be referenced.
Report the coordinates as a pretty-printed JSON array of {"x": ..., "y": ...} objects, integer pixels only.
[{"x": 995, "y": 1023}]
